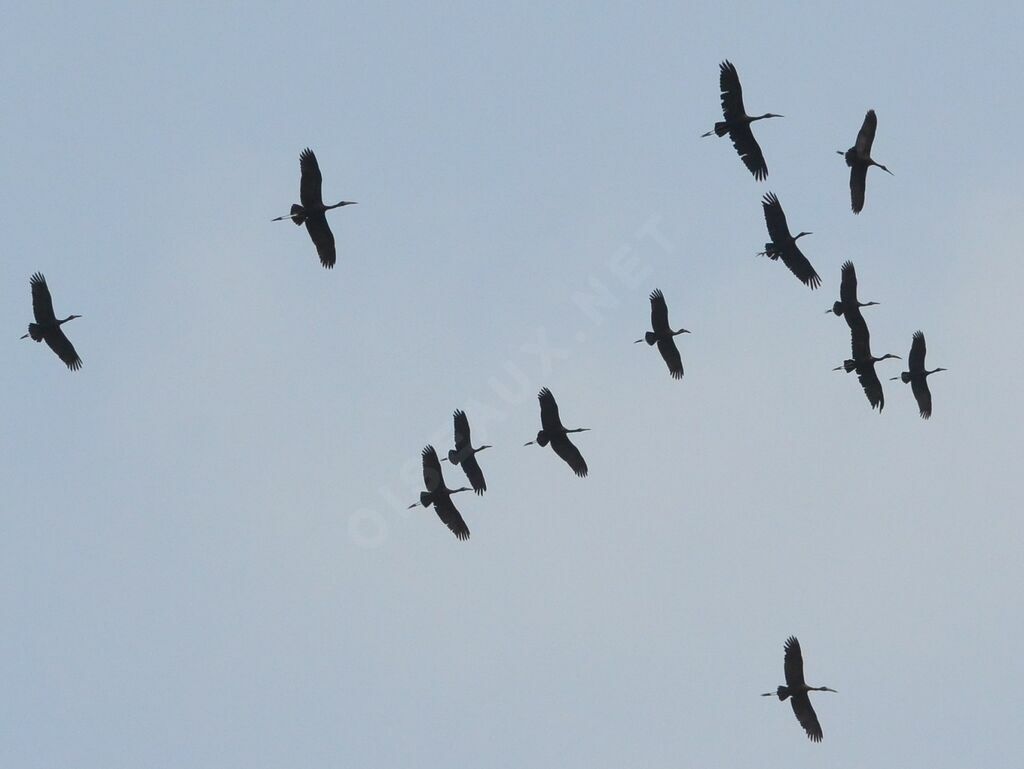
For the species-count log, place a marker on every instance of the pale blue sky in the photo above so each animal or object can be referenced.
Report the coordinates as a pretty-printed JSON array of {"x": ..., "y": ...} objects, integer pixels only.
[{"x": 205, "y": 560}]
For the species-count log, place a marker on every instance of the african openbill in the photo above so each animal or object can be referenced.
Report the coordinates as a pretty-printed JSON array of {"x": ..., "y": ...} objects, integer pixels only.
[
  {"x": 47, "y": 328},
  {"x": 918, "y": 375},
  {"x": 662, "y": 335},
  {"x": 848, "y": 293},
  {"x": 554, "y": 433},
  {"x": 796, "y": 690},
  {"x": 783, "y": 245},
  {"x": 737, "y": 122},
  {"x": 858, "y": 158},
  {"x": 464, "y": 454},
  {"x": 313, "y": 211},
  {"x": 440, "y": 496},
  {"x": 863, "y": 362}
]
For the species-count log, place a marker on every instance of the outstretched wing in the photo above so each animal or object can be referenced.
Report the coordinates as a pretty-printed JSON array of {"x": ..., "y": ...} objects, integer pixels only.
[
  {"x": 567, "y": 450},
  {"x": 794, "y": 665},
  {"x": 42, "y": 304},
  {"x": 432, "y": 477},
  {"x": 323, "y": 239},
  {"x": 866, "y": 135},
  {"x": 451, "y": 517},
  {"x": 739, "y": 132},
  {"x": 860, "y": 337},
  {"x": 858, "y": 187},
  {"x": 732, "y": 91},
  {"x": 749, "y": 151},
  {"x": 775, "y": 219},
  {"x": 475, "y": 475},
  {"x": 670, "y": 353},
  {"x": 659, "y": 312},
  {"x": 848, "y": 287},
  {"x": 549, "y": 420},
  {"x": 462, "y": 435},
  {"x": 923, "y": 396},
  {"x": 62, "y": 346},
  {"x": 311, "y": 183},
  {"x": 799, "y": 265},
  {"x": 915, "y": 362},
  {"x": 806, "y": 716},
  {"x": 872, "y": 387}
]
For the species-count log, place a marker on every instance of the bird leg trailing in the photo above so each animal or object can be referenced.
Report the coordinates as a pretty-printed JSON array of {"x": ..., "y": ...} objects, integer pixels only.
[
  {"x": 720, "y": 129},
  {"x": 782, "y": 692},
  {"x": 542, "y": 439},
  {"x": 297, "y": 215}
]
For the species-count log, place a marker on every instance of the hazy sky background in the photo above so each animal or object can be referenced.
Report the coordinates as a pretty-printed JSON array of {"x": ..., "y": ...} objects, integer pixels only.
[{"x": 205, "y": 560}]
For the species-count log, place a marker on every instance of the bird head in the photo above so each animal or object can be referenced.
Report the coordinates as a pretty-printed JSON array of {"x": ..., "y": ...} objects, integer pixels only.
[{"x": 797, "y": 237}]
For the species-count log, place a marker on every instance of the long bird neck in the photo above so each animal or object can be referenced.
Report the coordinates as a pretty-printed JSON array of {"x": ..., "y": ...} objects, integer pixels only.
[{"x": 69, "y": 317}]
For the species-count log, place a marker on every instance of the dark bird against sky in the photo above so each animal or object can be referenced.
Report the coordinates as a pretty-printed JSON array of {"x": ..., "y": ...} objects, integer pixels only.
[
  {"x": 858, "y": 158},
  {"x": 848, "y": 303},
  {"x": 464, "y": 454},
  {"x": 796, "y": 690},
  {"x": 918, "y": 375},
  {"x": 737, "y": 122},
  {"x": 440, "y": 496},
  {"x": 313, "y": 211},
  {"x": 554, "y": 433},
  {"x": 47, "y": 328},
  {"x": 662, "y": 335},
  {"x": 783, "y": 245},
  {"x": 862, "y": 361}
]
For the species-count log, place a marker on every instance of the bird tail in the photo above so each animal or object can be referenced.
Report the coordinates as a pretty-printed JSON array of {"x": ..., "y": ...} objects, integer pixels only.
[
  {"x": 453, "y": 456},
  {"x": 425, "y": 498},
  {"x": 298, "y": 213},
  {"x": 837, "y": 308},
  {"x": 542, "y": 438},
  {"x": 35, "y": 331},
  {"x": 782, "y": 692},
  {"x": 849, "y": 365},
  {"x": 905, "y": 377},
  {"x": 650, "y": 338}
]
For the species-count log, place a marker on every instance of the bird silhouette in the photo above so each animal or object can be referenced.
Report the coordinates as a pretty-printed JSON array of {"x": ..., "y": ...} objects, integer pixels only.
[
  {"x": 554, "y": 433},
  {"x": 464, "y": 454},
  {"x": 783, "y": 245},
  {"x": 662, "y": 335},
  {"x": 796, "y": 690},
  {"x": 858, "y": 158},
  {"x": 737, "y": 122},
  {"x": 313, "y": 212},
  {"x": 918, "y": 375},
  {"x": 440, "y": 496},
  {"x": 47, "y": 328}
]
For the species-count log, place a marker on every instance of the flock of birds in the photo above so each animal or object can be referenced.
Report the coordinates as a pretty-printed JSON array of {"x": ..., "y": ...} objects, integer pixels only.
[{"x": 312, "y": 212}]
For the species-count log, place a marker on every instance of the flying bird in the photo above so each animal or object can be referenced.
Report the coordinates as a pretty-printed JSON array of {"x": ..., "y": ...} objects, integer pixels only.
[
  {"x": 313, "y": 211},
  {"x": 848, "y": 302},
  {"x": 47, "y": 328},
  {"x": 440, "y": 496},
  {"x": 863, "y": 362},
  {"x": 737, "y": 122},
  {"x": 464, "y": 454},
  {"x": 918, "y": 375},
  {"x": 554, "y": 433},
  {"x": 662, "y": 335},
  {"x": 858, "y": 158},
  {"x": 783, "y": 245},
  {"x": 796, "y": 690}
]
